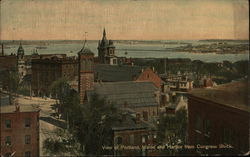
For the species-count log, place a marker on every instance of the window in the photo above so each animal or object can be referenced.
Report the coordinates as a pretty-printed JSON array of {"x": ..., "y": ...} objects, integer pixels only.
[
  {"x": 132, "y": 139},
  {"x": 228, "y": 136},
  {"x": 8, "y": 123},
  {"x": 8, "y": 140},
  {"x": 207, "y": 127},
  {"x": 27, "y": 122},
  {"x": 27, "y": 154},
  {"x": 119, "y": 140},
  {"x": 7, "y": 155},
  {"x": 145, "y": 115},
  {"x": 198, "y": 123},
  {"x": 27, "y": 139},
  {"x": 144, "y": 139}
]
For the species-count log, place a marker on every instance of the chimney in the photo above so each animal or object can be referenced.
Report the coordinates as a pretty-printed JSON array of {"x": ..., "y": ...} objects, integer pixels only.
[
  {"x": 2, "y": 50},
  {"x": 125, "y": 105},
  {"x": 124, "y": 115},
  {"x": 17, "y": 108},
  {"x": 138, "y": 118}
]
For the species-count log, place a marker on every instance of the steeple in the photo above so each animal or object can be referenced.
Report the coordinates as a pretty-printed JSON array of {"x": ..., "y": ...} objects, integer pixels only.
[
  {"x": 104, "y": 38},
  {"x": 104, "y": 33},
  {"x": 20, "y": 51}
]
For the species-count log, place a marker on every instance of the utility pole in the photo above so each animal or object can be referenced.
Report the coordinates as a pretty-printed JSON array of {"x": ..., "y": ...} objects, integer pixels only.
[
  {"x": 165, "y": 66},
  {"x": 30, "y": 92}
]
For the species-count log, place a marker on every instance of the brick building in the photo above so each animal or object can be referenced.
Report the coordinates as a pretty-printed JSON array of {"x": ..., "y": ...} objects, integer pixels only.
[
  {"x": 47, "y": 70},
  {"x": 220, "y": 115},
  {"x": 131, "y": 133},
  {"x": 19, "y": 130},
  {"x": 7, "y": 63},
  {"x": 85, "y": 72}
]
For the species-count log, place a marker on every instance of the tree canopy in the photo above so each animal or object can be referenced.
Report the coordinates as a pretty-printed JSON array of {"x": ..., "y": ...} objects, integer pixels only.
[
  {"x": 90, "y": 125},
  {"x": 172, "y": 130}
]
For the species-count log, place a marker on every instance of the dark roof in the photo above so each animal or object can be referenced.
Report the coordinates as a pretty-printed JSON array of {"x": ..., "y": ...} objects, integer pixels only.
[
  {"x": 86, "y": 51},
  {"x": 129, "y": 123},
  {"x": 135, "y": 94},
  {"x": 114, "y": 73},
  {"x": 234, "y": 94}
]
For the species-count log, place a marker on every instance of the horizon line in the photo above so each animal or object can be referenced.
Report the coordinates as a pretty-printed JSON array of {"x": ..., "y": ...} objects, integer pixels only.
[{"x": 112, "y": 39}]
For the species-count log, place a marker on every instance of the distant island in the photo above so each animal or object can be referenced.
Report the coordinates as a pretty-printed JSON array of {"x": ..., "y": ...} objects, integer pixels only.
[{"x": 221, "y": 47}]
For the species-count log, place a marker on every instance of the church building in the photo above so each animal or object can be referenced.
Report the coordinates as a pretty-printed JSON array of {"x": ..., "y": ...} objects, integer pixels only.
[
  {"x": 106, "y": 51},
  {"x": 21, "y": 62}
]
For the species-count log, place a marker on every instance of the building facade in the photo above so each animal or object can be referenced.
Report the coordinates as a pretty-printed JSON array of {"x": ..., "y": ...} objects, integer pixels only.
[
  {"x": 47, "y": 70},
  {"x": 7, "y": 63},
  {"x": 106, "y": 51},
  {"x": 220, "y": 116},
  {"x": 19, "y": 131},
  {"x": 132, "y": 134}
]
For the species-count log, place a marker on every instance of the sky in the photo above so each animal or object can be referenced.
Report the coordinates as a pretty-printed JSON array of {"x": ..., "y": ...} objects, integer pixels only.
[{"x": 124, "y": 19}]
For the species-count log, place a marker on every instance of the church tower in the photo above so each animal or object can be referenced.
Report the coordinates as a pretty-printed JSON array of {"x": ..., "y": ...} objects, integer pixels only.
[
  {"x": 85, "y": 72},
  {"x": 21, "y": 62},
  {"x": 20, "y": 52},
  {"x": 106, "y": 50}
]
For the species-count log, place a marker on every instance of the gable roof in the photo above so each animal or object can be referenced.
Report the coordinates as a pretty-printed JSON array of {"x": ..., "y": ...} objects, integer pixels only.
[
  {"x": 114, "y": 73},
  {"x": 135, "y": 94}
]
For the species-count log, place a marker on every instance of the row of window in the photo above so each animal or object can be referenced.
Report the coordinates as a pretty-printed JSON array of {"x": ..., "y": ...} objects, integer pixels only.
[
  {"x": 26, "y": 154},
  {"x": 228, "y": 135},
  {"x": 27, "y": 140},
  {"x": 144, "y": 139},
  {"x": 27, "y": 123}
]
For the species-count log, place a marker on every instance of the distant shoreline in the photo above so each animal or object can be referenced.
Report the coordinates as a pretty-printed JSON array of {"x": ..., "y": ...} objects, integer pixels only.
[{"x": 42, "y": 42}]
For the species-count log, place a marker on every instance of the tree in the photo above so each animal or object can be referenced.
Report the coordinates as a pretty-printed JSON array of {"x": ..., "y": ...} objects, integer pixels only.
[
  {"x": 63, "y": 143},
  {"x": 13, "y": 83},
  {"x": 91, "y": 125},
  {"x": 93, "y": 128},
  {"x": 59, "y": 89},
  {"x": 172, "y": 130}
]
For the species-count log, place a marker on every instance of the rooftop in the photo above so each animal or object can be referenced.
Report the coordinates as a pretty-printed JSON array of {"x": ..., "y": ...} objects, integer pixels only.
[
  {"x": 23, "y": 108},
  {"x": 113, "y": 73},
  {"x": 134, "y": 94},
  {"x": 130, "y": 123},
  {"x": 85, "y": 51},
  {"x": 234, "y": 94}
]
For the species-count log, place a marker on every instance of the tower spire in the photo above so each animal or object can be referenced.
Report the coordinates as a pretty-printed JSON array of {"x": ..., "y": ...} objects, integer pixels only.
[{"x": 104, "y": 32}]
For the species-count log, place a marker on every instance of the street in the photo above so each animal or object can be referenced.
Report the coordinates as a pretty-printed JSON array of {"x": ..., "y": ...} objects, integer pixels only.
[{"x": 47, "y": 120}]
